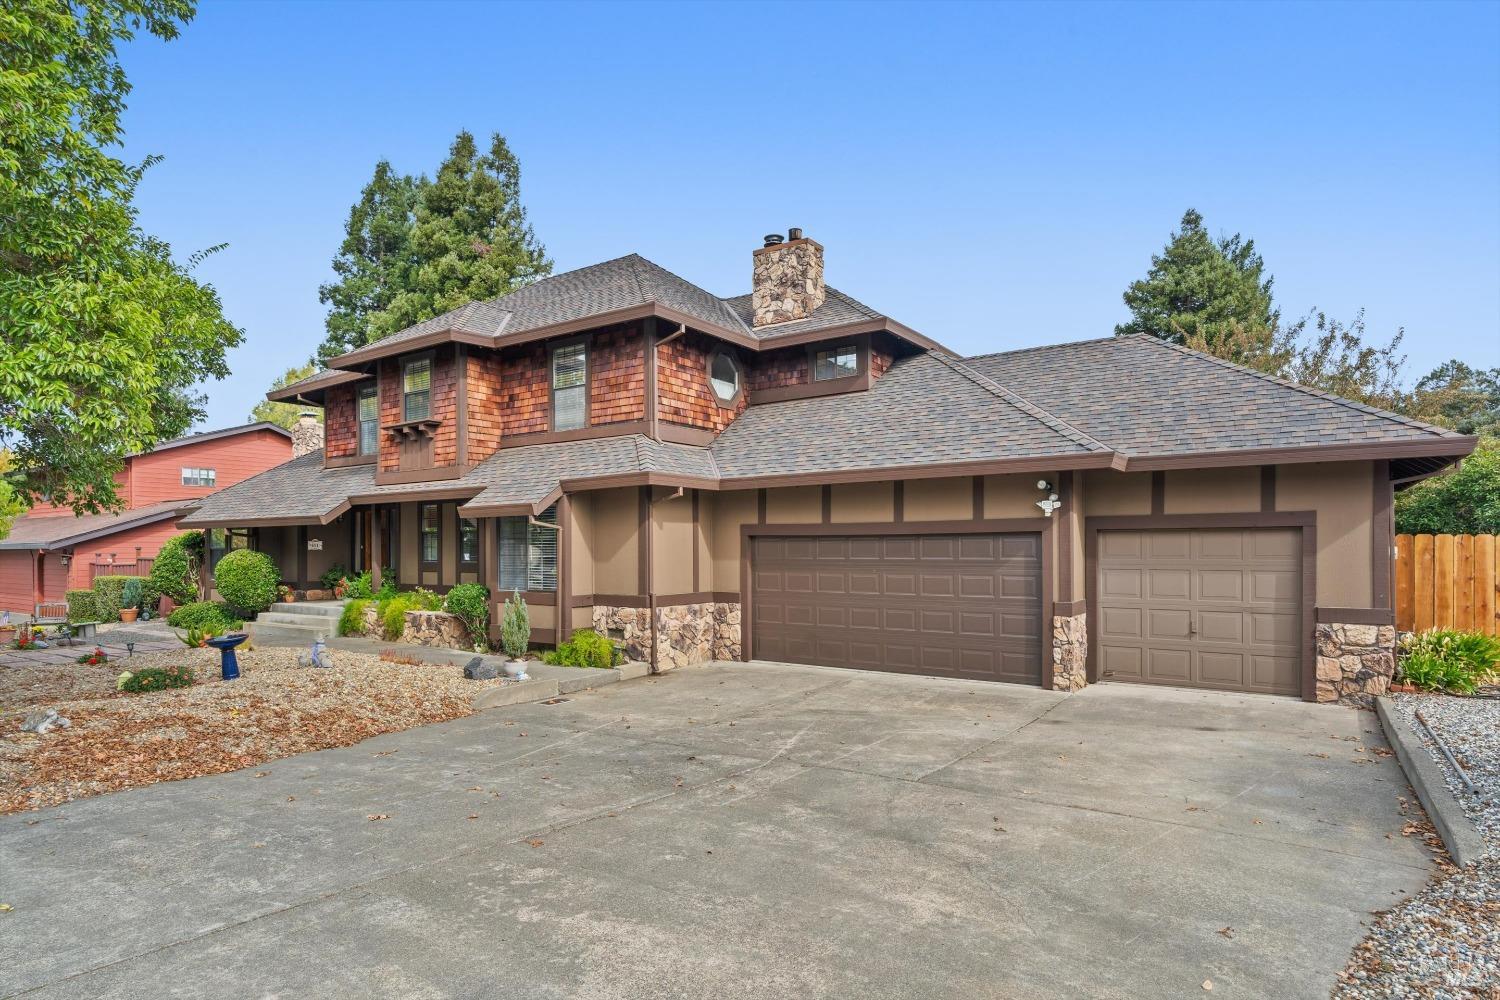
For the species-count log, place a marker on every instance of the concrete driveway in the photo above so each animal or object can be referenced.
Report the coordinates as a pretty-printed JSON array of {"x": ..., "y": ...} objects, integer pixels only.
[{"x": 746, "y": 830}]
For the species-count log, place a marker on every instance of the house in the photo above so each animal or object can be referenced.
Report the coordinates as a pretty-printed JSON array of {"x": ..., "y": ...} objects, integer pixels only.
[
  {"x": 50, "y": 550},
  {"x": 793, "y": 475}
]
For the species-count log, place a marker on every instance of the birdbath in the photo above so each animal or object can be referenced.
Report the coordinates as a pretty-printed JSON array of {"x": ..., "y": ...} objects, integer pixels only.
[{"x": 229, "y": 666}]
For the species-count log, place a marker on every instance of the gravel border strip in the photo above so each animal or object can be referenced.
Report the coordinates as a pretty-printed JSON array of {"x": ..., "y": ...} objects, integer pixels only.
[{"x": 1458, "y": 831}]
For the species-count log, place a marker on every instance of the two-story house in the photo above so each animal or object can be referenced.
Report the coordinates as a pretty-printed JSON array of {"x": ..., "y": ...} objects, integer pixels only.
[
  {"x": 51, "y": 550},
  {"x": 792, "y": 475}
]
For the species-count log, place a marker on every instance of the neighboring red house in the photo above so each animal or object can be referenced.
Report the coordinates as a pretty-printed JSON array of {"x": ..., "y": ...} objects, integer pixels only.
[{"x": 50, "y": 550}]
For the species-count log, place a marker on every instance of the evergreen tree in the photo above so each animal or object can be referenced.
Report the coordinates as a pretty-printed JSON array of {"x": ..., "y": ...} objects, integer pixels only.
[
  {"x": 1455, "y": 395},
  {"x": 286, "y": 414},
  {"x": 1206, "y": 291},
  {"x": 373, "y": 262},
  {"x": 471, "y": 240}
]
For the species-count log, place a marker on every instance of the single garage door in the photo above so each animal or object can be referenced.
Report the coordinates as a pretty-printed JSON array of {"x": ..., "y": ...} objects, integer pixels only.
[
  {"x": 1209, "y": 608},
  {"x": 949, "y": 605}
]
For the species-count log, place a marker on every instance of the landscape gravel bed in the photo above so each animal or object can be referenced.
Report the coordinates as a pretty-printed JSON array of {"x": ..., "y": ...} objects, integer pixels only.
[
  {"x": 1445, "y": 941},
  {"x": 275, "y": 709}
]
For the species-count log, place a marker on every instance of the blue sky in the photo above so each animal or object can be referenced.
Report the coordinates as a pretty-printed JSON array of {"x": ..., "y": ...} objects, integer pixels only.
[{"x": 991, "y": 175}]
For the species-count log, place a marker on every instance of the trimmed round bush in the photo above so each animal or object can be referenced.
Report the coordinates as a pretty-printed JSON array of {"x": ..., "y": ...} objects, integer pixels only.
[
  {"x": 247, "y": 580},
  {"x": 174, "y": 572},
  {"x": 203, "y": 616}
]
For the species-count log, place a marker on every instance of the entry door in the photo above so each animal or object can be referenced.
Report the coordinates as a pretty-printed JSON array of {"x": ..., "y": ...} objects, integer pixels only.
[
  {"x": 1207, "y": 608},
  {"x": 948, "y": 605}
]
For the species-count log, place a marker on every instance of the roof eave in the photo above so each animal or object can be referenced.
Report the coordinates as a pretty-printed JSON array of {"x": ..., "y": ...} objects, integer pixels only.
[
  {"x": 1456, "y": 446},
  {"x": 87, "y": 536},
  {"x": 300, "y": 392}
]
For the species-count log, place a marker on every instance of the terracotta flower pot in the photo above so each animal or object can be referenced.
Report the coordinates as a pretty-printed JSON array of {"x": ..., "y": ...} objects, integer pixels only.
[{"x": 128, "y": 614}]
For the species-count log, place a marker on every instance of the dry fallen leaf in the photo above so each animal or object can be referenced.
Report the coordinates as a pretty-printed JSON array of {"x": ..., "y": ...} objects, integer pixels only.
[
  {"x": 6, "y": 907},
  {"x": 374, "y": 816},
  {"x": 472, "y": 816},
  {"x": 1227, "y": 932},
  {"x": 536, "y": 842}
]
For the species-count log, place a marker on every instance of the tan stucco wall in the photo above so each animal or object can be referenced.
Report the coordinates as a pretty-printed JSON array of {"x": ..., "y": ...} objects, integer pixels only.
[
  {"x": 335, "y": 538},
  {"x": 938, "y": 499},
  {"x": 580, "y": 543},
  {"x": 408, "y": 559},
  {"x": 704, "y": 578},
  {"x": 615, "y": 543},
  {"x": 731, "y": 509},
  {"x": 794, "y": 505},
  {"x": 672, "y": 545},
  {"x": 1115, "y": 493},
  {"x": 863, "y": 503},
  {"x": 1342, "y": 494},
  {"x": 1014, "y": 496},
  {"x": 1211, "y": 491}
]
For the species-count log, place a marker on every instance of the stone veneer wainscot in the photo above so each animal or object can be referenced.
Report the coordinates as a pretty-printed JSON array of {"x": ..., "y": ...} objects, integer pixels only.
[
  {"x": 1355, "y": 662},
  {"x": 1070, "y": 651}
]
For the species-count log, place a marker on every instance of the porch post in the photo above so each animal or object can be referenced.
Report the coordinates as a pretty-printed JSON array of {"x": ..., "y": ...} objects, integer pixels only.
[
  {"x": 564, "y": 626},
  {"x": 38, "y": 583},
  {"x": 204, "y": 579},
  {"x": 376, "y": 540}
]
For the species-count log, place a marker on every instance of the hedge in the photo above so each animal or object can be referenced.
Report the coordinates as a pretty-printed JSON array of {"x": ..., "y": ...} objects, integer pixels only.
[
  {"x": 205, "y": 616},
  {"x": 247, "y": 580},
  {"x": 81, "y": 606},
  {"x": 109, "y": 596},
  {"x": 471, "y": 603}
]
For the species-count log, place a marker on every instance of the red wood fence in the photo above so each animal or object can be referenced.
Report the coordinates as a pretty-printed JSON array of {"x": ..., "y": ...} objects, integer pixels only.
[
  {"x": 1447, "y": 581},
  {"x": 125, "y": 567}
]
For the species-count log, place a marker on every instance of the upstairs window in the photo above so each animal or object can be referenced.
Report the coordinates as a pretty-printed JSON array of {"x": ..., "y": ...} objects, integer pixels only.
[
  {"x": 199, "y": 477},
  {"x": 416, "y": 389},
  {"x": 838, "y": 362},
  {"x": 369, "y": 420},
  {"x": 570, "y": 386},
  {"x": 724, "y": 377},
  {"x": 528, "y": 553}
]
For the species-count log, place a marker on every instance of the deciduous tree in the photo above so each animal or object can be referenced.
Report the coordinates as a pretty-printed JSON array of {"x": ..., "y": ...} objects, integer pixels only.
[{"x": 286, "y": 414}]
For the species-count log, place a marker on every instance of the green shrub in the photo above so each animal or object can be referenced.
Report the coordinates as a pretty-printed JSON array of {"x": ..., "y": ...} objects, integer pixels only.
[
  {"x": 81, "y": 606},
  {"x": 1464, "y": 502},
  {"x": 470, "y": 602},
  {"x": 1444, "y": 659},
  {"x": 359, "y": 587},
  {"x": 392, "y": 610},
  {"x": 109, "y": 596},
  {"x": 515, "y": 627},
  {"x": 352, "y": 621},
  {"x": 335, "y": 573},
  {"x": 388, "y": 589},
  {"x": 247, "y": 580},
  {"x": 203, "y": 615},
  {"x": 130, "y": 594},
  {"x": 157, "y": 679},
  {"x": 175, "y": 571},
  {"x": 585, "y": 648}
]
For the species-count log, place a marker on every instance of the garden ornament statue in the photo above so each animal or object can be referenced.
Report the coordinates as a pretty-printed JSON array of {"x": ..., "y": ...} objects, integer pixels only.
[
  {"x": 229, "y": 664},
  {"x": 317, "y": 656}
]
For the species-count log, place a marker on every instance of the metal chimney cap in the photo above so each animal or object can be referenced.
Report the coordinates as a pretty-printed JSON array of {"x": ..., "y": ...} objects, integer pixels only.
[
  {"x": 773, "y": 239},
  {"x": 795, "y": 233}
]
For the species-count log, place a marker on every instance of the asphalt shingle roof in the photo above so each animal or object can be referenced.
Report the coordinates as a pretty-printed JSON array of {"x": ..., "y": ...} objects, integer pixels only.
[
  {"x": 1142, "y": 396},
  {"x": 927, "y": 409},
  {"x": 61, "y": 530},
  {"x": 837, "y": 309}
]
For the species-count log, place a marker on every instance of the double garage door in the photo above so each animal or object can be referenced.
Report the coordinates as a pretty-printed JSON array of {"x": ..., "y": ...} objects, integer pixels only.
[{"x": 948, "y": 605}]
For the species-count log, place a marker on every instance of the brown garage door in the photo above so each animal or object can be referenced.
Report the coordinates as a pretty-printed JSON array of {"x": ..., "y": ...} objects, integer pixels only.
[
  {"x": 1206, "y": 608},
  {"x": 950, "y": 605}
]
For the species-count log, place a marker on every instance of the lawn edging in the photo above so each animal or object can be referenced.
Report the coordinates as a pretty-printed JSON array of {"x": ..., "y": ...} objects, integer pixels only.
[{"x": 1459, "y": 833}]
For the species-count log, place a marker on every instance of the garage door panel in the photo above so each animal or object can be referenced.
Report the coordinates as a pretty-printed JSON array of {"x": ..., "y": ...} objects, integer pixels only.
[
  {"x": 959, "y": 605},
  {"x": 1220, "y": 608}
]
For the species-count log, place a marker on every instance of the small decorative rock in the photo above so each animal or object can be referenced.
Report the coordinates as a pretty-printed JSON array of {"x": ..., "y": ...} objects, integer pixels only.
[
  {"x": 41, "y": 722},
  {"x": 478, "y": 670}
]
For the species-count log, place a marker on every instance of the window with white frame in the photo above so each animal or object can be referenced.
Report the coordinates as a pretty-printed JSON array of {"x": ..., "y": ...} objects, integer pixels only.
[
  {"x": 570, "y": 386},
  {"x": 724, "y": 376},
  {"x": 837, "y": 362},
  {"x": 416, "y": 388},
  {"x": 468, "y": 541},
  {"x": 431, "y": 533},
  {"x": 369, "y": 420},
  {"x": 528, "y": 552},
  {"x": 199, "y": 477}
]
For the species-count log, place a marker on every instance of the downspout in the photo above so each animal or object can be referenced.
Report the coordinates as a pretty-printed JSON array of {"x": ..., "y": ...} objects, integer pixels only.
[{"x": 652, "y": 417}]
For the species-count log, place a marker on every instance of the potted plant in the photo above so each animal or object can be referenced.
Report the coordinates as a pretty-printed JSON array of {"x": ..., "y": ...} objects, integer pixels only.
[
  {"x": 287, "y": 594},
  {"x": 515, "y": 635},
  {"x": 130, "y": 600}
]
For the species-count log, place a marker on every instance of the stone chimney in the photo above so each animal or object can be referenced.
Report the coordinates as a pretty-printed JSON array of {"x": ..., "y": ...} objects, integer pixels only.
[
  {"x": 307, "y": 434},
  {"x": 786, "y": 280}
]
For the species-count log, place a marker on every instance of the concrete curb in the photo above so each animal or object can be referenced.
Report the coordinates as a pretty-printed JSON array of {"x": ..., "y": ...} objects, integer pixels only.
[{"x": 1426, "y": 775}]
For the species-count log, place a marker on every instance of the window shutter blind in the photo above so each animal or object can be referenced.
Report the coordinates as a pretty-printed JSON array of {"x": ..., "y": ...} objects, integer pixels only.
[
  {"x": 512, "y": 569},
  {"x": 417, "y": 386},
  {"x": 570, "y": 387},
  {"x": 542, "y": 570}
]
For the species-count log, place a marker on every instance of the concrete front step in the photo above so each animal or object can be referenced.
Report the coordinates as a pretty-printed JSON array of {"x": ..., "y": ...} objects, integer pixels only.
[
  {"x": 297, "y": 618},
  {"x": 323, "y": 609}
]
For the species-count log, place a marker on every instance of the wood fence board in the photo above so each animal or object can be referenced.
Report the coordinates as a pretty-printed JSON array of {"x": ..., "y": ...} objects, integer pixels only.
[
  {"x": 1405, "y": 580},
  {"x": 1484, "y": 585},
  {"x": 1442, "y": 579},
  {"x": 1463, "y": 582},
  {"x": 1422, "y": 566}
]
